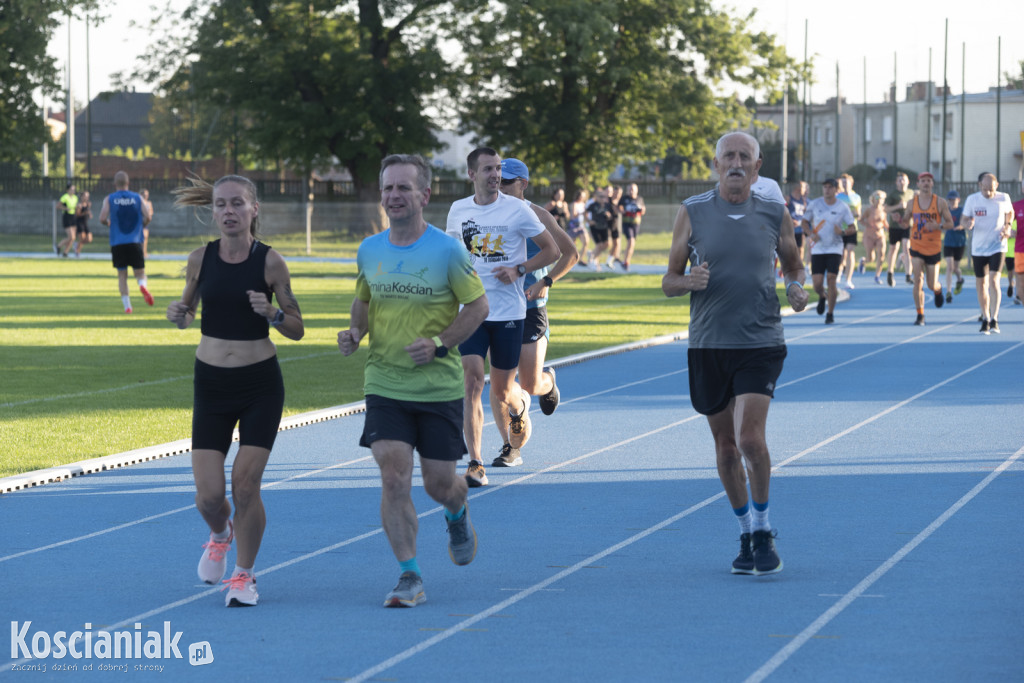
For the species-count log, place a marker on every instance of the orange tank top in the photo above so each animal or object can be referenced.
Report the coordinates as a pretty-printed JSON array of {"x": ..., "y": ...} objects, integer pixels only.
[{"x": 922, "y": 241}]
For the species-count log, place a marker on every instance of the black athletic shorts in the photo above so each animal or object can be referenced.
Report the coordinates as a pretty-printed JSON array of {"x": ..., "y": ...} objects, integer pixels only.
[
  {"x": 850, "y": 240},
  {"x": 717, "y": 376},
  {"x": 799, "y": 236},
  {"x": 432, "y": 428},
  {"x": 929, "y": 260},
  {"x": 955, "y": 253},
  {"x": 600, "y": 235},
  {"x": 826, "y": 262},
  {"x": 67, "y": 220},
  {"x": 82, "y": 225},
  {"x": 984, "y": 264},
  {"x": 251, "y": 396},
  {"x": 536, "y": 324},
  {"x": 124, "y": 255},
  {"x": 897, "y": 234}
]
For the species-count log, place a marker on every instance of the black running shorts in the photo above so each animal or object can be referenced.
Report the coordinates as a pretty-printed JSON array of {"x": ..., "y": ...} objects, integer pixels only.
[
  {"x": 124, "y": 255},
  {"x": 251, "y": 396},
  {"x": 717, "y": 376},
  {"x": 432, "y": 428}
]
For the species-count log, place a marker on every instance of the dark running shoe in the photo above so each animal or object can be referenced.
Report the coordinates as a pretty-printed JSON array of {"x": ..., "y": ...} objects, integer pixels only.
[
  {"x": 549, "y": 401},
  {"x": 744, "y": 562},
  {"x": 920, "y": 319},
  {"x": 984, "y": 326},
  {"x": 1009, "y": 289},
  {"x": 949, "y": 297},
  {"x": 890, "y": 280},
  {"x": 910, "y": 279},
  {"x": 462, "y": 539},
  {"x": 508, "y": 457},
  {"x": 938, "y": 298},
  {"x": 829, "y": 319},
  {"x": 993, "y": 326},
  {"x": 766, "y": 560},
  {"x": 476, "y": 475},
  {"x": 821, "y": 305},
  {"x": 959, "y": 286}
]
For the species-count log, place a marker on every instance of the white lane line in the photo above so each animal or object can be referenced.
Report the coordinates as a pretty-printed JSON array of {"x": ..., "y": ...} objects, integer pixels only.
[
  {"x": 858, "y": 591},
  {"x": 126, "y": 525}
]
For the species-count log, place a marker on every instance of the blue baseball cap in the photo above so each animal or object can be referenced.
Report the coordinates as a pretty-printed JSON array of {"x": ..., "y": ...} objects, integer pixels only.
[
  {"x": 513, "y": 168},
  {"x": 952, "y": 194}
]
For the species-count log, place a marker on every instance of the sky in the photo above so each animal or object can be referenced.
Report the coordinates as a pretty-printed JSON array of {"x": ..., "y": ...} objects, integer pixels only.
[{"x": 847, "y": 33}]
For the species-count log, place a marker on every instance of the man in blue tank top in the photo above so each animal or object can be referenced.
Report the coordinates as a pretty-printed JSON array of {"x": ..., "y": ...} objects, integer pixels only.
[
  {"x": 126, "y": 215},
  {"x": 736, "y": 343}
]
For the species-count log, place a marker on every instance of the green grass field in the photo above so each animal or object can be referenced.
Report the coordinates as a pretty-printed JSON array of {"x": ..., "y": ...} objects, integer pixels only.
[{"x": 82, "y": 379}]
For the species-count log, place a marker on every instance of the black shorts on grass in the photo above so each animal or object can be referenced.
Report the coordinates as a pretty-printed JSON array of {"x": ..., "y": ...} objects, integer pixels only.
[
  {"x": 251, "y": 396},
  {"x": 717, "y": 376},
  {"x": 896, "y": 235},
  {"x": 124, "y": 255},
  {"x": 535, "y": 325},
  {"x": 432, "y": 428}
]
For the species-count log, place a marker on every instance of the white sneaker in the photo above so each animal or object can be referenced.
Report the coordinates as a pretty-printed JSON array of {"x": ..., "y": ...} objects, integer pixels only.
[
  {"x": 212, "y": 564},
  {"x": 241, "y": 591},
  {"x": 849, "y": 284}
]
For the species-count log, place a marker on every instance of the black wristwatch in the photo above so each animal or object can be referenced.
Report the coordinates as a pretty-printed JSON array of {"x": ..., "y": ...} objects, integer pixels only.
[
  {"x": 547, "y": 281},
  {"x": 440, "y": 350},
  {"x": 278, "y": 318},
  {"x": 521, "y": 269}
]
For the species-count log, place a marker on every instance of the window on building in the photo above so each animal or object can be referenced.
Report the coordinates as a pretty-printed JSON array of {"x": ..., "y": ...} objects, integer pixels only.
[
  {"x": 867, "y": 130},
  {"x": 828, "y": 135},
  {"x": 887, "y": 129},
  {"x": 949, "y": 125},
  {"x": 817, "y": 135},
  {"x": 936, "y": 126}
]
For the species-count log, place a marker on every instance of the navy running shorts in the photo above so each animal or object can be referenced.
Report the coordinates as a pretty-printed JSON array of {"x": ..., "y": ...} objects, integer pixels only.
[
  {"x": 717, "y": 376},
  {"x": 251, "y": 396},
  {"x": 504, "y": 339},
  {"x": 434, "y": 429}
]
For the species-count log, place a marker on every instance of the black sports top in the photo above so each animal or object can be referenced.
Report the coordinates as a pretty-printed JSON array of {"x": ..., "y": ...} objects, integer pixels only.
[{"x": 227, "y": 313}]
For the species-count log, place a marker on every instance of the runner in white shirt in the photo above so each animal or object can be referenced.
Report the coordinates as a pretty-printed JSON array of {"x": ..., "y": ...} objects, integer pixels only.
[
  {"x": 823, "y": 224},
  {"x": 990, "y": 214},
  {"x": 494, "y": 228}
]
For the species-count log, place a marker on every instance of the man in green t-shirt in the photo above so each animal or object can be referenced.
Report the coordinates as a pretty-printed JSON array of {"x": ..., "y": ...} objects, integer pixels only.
[{"x": 412, "y": 279}]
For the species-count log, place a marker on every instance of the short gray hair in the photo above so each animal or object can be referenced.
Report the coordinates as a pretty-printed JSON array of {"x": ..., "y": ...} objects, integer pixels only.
[
  {"x": 423, "y": 172},
  {"x": 748, "y": 136}
]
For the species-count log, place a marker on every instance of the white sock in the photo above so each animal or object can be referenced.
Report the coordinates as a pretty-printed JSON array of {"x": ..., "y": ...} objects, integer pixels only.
[
  {"x": 222, "y": 536},
  {"x": 239, "y": 570},
  {"x": 141, "y": 281},
  {"x": 761, "y": 519},
  {"x": 126, "y": 301}
]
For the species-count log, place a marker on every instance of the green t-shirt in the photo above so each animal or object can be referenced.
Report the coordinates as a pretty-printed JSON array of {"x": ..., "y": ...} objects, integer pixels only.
[
  {"x": 413, "y": 291},
  {"x": 895, "y": 199},
  {"x": 70, "y": 203}
]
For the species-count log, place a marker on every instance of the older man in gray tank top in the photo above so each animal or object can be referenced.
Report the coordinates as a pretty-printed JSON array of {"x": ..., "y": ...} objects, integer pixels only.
[{"x": 736, "y": 342}]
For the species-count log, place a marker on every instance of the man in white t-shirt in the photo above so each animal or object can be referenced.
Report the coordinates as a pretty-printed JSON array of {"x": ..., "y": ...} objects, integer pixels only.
[
  {"x": 494, "y": 228},
  {"x": 989, "y": 214},
  {"x": 824, "y": 221}
]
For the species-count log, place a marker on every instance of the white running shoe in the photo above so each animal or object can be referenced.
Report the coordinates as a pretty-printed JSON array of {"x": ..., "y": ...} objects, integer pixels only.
[
  {"x": 241, "y": 591},
  {"x": 212, "y": 564}
]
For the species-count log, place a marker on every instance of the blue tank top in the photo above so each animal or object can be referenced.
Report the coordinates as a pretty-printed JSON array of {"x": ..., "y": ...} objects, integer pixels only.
[
  {"x": 125, "y": 217},
  {"x": 223, "y": 289}
]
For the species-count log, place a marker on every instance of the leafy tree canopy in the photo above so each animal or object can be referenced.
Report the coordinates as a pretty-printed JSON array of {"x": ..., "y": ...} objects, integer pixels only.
[{"x": 576, "y": 87}]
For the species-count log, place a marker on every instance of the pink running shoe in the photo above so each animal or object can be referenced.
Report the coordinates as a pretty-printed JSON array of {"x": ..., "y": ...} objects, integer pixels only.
[
  {"x": 242, "y": 591},
  {"x": 212, "y": 564},
  {"x": 146, "y": 295}
]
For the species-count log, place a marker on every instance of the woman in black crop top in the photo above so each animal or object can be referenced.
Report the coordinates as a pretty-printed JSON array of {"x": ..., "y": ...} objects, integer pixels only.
[{"x": 237, "y": 377}]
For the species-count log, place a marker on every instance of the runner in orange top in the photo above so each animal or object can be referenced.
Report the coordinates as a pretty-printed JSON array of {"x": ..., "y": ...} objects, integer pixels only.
[{"x": 929, "y": 216}]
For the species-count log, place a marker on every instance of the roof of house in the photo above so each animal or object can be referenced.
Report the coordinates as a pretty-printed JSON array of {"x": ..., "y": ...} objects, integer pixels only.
[{"x": 119, "y": 109}]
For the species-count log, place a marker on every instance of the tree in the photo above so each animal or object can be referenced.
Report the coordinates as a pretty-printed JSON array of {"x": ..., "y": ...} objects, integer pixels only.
[
  {"x": 314, "y": 83},
  {"x": 579, "y": 86},
  {"x": 1015, "y": 81},
  {"x": 26, "y": 27}
]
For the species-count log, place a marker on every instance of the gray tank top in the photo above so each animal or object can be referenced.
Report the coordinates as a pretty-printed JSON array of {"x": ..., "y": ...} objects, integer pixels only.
[{"x": 739, "y": 309}]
